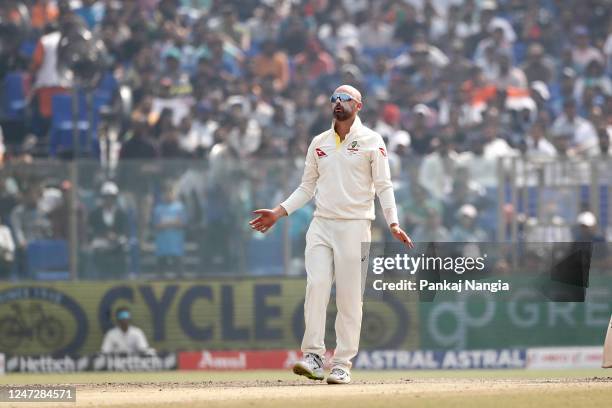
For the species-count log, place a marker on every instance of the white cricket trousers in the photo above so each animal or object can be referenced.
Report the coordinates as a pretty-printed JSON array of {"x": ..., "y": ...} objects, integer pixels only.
[{"x": 334, "y": 252}]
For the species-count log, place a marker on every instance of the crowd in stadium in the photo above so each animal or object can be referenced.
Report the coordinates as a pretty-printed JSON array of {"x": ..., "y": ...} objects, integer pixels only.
[{"x": 451, "y": 85}]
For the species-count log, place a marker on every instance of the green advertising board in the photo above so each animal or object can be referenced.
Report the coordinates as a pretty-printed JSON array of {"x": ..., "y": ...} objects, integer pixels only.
[
  {"x": 71, "y": 317},
  {"x": 520, "y": 319}
]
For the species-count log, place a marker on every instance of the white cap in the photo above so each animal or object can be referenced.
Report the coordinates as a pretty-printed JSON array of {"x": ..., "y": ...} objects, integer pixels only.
[
  {"x": 421, "y": 108},
  {"x": 587, "y": 219},
  {"x": 109, "y": 189},
  {"x": 468, "y": 210}
]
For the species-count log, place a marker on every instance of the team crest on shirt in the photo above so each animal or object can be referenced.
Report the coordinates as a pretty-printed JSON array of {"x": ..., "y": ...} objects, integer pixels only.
[
  {"x": 320, "y": 153},
  {"x": 353, "y": 147}
]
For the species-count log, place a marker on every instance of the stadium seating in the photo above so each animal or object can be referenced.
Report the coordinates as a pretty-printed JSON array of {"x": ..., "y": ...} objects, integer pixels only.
[
  {"x": 61, "y": 134},
  {"x": 48, "y": 259},
  {"x": 14, "y": 102},
  {"x": 265, "y": 255}
]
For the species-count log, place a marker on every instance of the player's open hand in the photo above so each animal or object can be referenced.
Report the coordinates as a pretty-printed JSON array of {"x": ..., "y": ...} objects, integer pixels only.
[
  {"x": 400, "y": 235},
  {"x": 265, "y": 220}
]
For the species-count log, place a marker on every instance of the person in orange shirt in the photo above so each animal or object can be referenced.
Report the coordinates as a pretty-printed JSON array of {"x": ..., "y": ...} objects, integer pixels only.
[
  {"x": 48, "y": 80},
  {"x": 274, "y": 63},
  {"x": 316, "y": 60},
  {"x": 43, "y": 12}
]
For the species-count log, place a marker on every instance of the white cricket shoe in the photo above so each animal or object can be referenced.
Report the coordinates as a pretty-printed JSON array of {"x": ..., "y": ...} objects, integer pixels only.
[
  {"x": 339, "y": 375},
  {"x": 311, "y": 366}
]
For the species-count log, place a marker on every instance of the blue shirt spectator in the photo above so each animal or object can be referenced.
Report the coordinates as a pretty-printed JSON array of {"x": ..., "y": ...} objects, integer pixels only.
[{"x": 169, "y": 220}]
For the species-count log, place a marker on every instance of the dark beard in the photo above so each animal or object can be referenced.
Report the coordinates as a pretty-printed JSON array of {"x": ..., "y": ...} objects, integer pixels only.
[{"x": 341, "y": 116}]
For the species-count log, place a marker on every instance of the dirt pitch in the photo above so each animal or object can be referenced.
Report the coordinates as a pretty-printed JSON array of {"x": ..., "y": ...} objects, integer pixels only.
[{"x": 498, "y": 389}]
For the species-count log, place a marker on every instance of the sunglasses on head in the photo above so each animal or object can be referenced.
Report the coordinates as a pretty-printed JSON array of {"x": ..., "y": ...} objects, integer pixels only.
[{"x": 343, "y": 97}]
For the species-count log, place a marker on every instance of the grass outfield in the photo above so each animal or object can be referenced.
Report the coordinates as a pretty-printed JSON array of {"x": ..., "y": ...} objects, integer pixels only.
[
  {"x": 282, "y": 389},
  {"x": 286, "y": 375}
]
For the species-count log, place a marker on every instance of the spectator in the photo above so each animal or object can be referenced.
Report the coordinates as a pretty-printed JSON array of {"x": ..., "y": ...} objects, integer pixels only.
[
  {"x": 458, "y": 69},
  {"x": 8, "y": 196},
  {"x": 415, "y": 208},
  {"x": 437, "y": 168},
  {"x": 170, "y": 145},
  {"x": 224, "y": 64},
  {"x": 564, "y": 91},
  {"x": 563, "y": 146},
  {"x": 420, "y": 135},
  {"x": 582, "y": 52},
  {"x": 389, "y": 127},
  {"x": 497, "y": 42},
  {"x": 495, "y": 146},
  {"x": 29, "y": 223},
  {"x": 540, "y": 94},
  {"x": 536, "y": 143},
  {"x": 170, "y": 222},
  {"x": 50, "y": 81},
  {"x": 43, "y": 13},
  {"x": 378, "y": 79},
  {"x": 467, "y": 230},
  {"x": 178, "y": 81},
  {"x": 539, "y": 66},
  {"x": 245, "y": 135},
  {"x": 125, "y": 338},
  {"x": 197, "y": 135},
  {"x": 464, "y": 191},
  {"x": 376, "y": 33},
  {"x": 603, "y": 150},
  {"x": 164, "y": 123},
  {"x": 108, "y": 234},
  {"x": 506, "y": 76},
  {"x": 233, "y": 29},
  {"x": 294, "y": 30},
  {"x": 407, "y": 23},
  {"x": 138, "y": 143},
  {"x": 265, "y": 24},
  {"x": 91, "y": 12},
  {"x": 594, "y": 78},
  {"x": 315, "y": 61},
  {"x": 432, "y": 229},
  {"x": 7, "y": 251},
  {"x": 583, "y": 137},
  {"x": 585, "y": 229},
  {"x": 60, "y": 215},
  {"x": 481, "y": 159},
  {"x": 273, "y": 63},
  {"x": 339, "y": 33}
]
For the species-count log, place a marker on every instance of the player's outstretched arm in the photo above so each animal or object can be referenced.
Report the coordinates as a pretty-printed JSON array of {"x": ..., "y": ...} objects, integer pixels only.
[
  {"x": 267, "y": 218},
  {"x": 400, "y": 235}
]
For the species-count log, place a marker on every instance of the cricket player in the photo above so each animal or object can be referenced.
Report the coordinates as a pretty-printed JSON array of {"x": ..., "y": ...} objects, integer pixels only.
[{"x": 345, "y": 166}]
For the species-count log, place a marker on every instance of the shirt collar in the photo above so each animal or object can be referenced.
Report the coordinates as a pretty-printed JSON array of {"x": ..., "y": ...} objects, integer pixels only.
[{"x": 354, "y": 128}]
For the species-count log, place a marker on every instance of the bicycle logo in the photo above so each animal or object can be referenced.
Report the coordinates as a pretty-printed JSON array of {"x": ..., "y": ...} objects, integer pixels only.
[{"x": 15, "y": 328}]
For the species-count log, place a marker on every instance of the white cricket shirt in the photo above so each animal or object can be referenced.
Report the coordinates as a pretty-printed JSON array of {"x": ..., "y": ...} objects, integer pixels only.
[
  {"x": 132, "y": 341},
  {"x": 344, "y": 177}
]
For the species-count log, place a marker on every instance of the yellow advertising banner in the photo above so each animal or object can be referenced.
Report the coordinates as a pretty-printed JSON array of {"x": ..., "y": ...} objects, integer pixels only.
[{"x": 223, "y": 314}]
